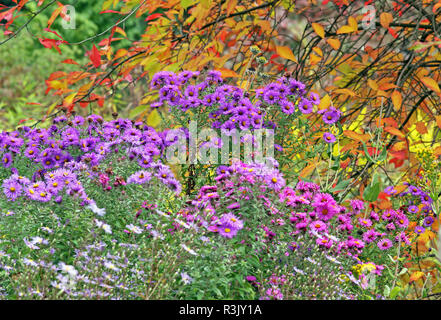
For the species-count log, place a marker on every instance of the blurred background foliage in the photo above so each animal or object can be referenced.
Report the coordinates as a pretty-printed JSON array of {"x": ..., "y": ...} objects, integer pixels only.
[{"x": 25, "y": 63}]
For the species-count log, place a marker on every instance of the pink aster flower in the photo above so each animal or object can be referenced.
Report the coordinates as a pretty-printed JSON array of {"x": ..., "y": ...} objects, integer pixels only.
[{"x": 384, "y": 244}]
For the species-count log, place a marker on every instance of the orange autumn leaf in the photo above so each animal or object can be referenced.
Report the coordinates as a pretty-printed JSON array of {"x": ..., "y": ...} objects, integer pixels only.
[
  {"x": 346, "y": 91},
  {"x": 356, "y": 136},
  {"x": 373, "y": 84},
  {"x": 334, "y": 43},
  {"x": 395, "y": 132},
  {"x": 226, "y": 73},
  {"x": 285, "y": 52},
  {"x": 396, "y": 100},
  {"x": 325, "y": 102},
  {"x": 385, "y": 19},
  {"x": 384, "y": 204},
  {"x": 438, "y": 121},
  {"x": 421, "y": 127},
  {"x": 307, "y": 170},
  {"x": 416, "y": 276},
  {"x": 400, "y": 188},
  {"x": 431, "y": 84}
]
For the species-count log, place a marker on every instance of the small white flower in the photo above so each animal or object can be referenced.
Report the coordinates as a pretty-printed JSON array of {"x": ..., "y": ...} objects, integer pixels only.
[
  {"x": 190, "y": 251},
  {"x": 111, "y": 266},
  {"x": 68, "y": 269},
  {"x": 107, "y": 228},
  {"x": 95, "y": 209},
  {"x": 186, "y": 278},
  {"x": 299, "y": 271},
  {"x": 332, "y": 259},
  {"x": 182, "y": 223},
  {"x": 134, "y": 229}
]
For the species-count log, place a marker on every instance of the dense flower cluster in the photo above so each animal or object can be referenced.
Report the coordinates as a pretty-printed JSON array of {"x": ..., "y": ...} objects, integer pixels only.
[
  {"x": 230, "y": 107},
  {"x": 55, "y": 157}
]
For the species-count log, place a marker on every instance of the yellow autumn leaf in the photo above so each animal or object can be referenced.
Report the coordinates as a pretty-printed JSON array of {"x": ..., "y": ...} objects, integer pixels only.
[
  {"x": 325, "y": 102},
  {"x": 351, "y": 27},
  {"x": 431, "y": 84},
  {"x": 285, "y": 52},
  {"x": 318, "y": 28},
  {"x": 396, "y": 100},
  {"x": 346, "y": 91},
  {"x": 153, "y": 119},
  {"x": 69, "y": 99}
]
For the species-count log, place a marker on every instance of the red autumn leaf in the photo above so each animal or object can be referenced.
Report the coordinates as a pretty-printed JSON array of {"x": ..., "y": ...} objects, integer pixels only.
[
  {"x": 69, "y": 61},
  {"x": 153, "y": 16},
  {"x": 52, "y": 43},
  {"x": 95, "y": 57},
  {"x": 54, "y": 32},
  {"x": 392, "y": 32},
  {"x": 397, "y": 162},
  {"x": 110, "y": 11}
]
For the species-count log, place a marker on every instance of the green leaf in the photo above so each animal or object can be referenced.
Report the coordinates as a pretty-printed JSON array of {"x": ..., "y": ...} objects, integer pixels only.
[
  {"x": 371, "y": 192},
  {"x": 137, "y": 111},
  {"x": 341, "y": 185},
  {"x": 402, "y": 271},
  {"x": 186, "y": 3},
  {"x": 386, "y": 292},
  {"x": 394, "y": 292}
]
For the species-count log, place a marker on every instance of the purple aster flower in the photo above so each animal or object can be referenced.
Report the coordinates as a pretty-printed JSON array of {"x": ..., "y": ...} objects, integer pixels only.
[
  {"x": 325, "y": 212},
  {"x": 78, "y": 121},
  {"x": 425, "y": 199},
  {"x": 314, "y": 97},
  {"x": 287, "y": 107},
  {"x": 414, "y": 190},
  {"x": 402, "y": 221},
  {"x": 331, "y": 117},
  {"x": 296, "y": 88},
  {"x": 419, "y": 230},
  {"x": 274, "y": 180},
  {"x": 329, "y": 137},
  {"x": 428, "y": 221},
  {"x": 413, "y": 209},
  {"x": 48, "y": 162},
  {"x": 305, "y": 106},
  {"x": 12, "y": 189},
  {"x": 7, "y": 160},
  {"x": 227, "y": 231},
  {"x": 230, "y": 220},
  {"x": 388, "y": 215}
]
